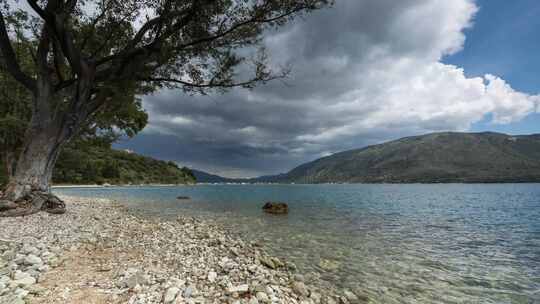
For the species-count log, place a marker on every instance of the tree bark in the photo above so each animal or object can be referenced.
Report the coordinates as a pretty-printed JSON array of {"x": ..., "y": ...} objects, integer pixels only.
[
  {"x": 8, "y": 163},
  {"x": 28, "y": 189}
]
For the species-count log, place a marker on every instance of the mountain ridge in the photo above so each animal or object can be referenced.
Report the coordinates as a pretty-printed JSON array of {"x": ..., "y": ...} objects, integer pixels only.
[{"x": 443, "y": 157}]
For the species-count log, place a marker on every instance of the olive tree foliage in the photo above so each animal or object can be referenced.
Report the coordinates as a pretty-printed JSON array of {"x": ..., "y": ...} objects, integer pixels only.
[
  {"x": 87, "y": 54},
  {"x": 123, "y": 116}
]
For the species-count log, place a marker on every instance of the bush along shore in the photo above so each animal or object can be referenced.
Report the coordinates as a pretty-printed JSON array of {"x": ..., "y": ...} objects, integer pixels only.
[{"x": 98, "y": 252}]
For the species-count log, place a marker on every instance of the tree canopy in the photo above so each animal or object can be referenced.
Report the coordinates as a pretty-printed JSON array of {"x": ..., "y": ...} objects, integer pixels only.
[
  {"x": 188, "y": 44},
  {"x": 90, "y": 59},
  {"x": 122, "y": 116}
]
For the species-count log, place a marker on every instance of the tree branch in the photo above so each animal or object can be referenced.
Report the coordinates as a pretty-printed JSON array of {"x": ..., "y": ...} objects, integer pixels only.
[
  {"x": 131, "y": 50},
  {"x": 55, "y": 22},
  {"x": 211, "y": 84},
  {"x": 58, "y": 62},
  {"x": 10, "y": 59},
  {"x": 240, "y": 25}
]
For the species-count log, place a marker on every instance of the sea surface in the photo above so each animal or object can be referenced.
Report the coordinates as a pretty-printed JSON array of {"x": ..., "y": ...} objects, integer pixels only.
[{"x": 441, "y": 243}]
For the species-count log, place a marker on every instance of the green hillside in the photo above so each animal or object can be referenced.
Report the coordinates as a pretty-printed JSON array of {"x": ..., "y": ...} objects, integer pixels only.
[
  {"x": 438, "y": 157},
  {"x": 99, "y": 164}
]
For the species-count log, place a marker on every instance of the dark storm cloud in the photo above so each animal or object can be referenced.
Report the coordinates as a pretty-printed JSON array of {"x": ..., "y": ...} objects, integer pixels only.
[{"x": 363, "y": 72}]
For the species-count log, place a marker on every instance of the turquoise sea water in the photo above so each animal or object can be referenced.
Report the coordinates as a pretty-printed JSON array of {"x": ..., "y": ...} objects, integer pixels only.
[{"x": 388, "y": 243}]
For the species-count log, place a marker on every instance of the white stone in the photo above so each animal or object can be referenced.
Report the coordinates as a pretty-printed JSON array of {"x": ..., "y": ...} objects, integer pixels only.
[
  {"x": 190, "y": 291},
  {"x": 36, "y": 289},
  {"x": 21, "y": 293},
  {"x": 138, "y": 278},
  {"x": 239, "y": 288},
  {"x": 329, "y": 300},
  {"x": 18, "y": 275},
  {"x": 350, "y": 296},
  {"x": 24, "y": 282},
  {"x": 253, "y": 301},
  {"x": 11, "y": 299},
  {"x": 212, "y": 276},
  {"x": 28, "y": 249},
  {"x": 19, "y": 258},
  {"x": 170, "y": 295},
  {"x": 261, "y": 296},
  {"x": 43, "y": 268},
  {"x": 178, "y": 283},
  {"x": 32, "y": 260},
  {"x": 4, "y": 279}
]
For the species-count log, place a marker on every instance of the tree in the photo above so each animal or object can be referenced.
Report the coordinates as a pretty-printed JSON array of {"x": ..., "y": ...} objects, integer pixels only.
[
  {"x": 111, "y": 170},
  {"x": 15, "y": 108},
  {"x": 87, "y": 54},
  {"x": 124, "y": 115}
]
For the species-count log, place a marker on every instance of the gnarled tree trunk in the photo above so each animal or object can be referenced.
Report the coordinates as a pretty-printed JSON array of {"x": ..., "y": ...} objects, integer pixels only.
[
  {"x": 28, "y": 190},
  {"x": 8, "y": 160},
  {"x": 60, "y": 107}
]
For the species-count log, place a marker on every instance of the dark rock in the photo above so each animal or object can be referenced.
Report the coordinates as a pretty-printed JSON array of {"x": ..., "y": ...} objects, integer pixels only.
[
  {"x": 276, "y": 208},
  {"x": 183, "y": 197}
]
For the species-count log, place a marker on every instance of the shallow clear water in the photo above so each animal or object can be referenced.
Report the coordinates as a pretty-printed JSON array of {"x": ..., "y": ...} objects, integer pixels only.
[{"x": 389, "y": 243}]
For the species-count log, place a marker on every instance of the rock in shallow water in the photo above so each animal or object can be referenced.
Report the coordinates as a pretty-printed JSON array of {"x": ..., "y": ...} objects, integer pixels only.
[
  {"x": 276, "y": 208},
  {"x": 350, "y": 296},
  {"x": 329, "y": 264},
  {"x": 300, "y": 288}
]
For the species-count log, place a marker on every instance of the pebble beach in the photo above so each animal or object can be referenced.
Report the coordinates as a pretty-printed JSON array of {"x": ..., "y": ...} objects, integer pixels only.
[{"x": 99, "y": 252}]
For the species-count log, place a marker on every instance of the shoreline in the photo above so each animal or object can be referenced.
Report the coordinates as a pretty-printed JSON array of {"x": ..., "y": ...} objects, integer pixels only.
[
  {"x": 67, "y": 186},
  {"x": 99, "y": 252}
]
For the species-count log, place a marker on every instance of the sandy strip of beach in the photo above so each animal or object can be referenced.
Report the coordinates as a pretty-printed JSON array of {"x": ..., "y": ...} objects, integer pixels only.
[{"x": 99, "y": 252}]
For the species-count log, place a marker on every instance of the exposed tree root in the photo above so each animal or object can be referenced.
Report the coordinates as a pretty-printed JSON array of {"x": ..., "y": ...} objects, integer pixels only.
[{"x": 31, "y": 203}]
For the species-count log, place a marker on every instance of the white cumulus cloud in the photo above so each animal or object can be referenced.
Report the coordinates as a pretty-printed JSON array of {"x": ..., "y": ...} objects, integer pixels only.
[{"x": 363, "y": 72}]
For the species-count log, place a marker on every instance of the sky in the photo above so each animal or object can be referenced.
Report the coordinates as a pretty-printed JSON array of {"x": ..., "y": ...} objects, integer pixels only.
[{"x": 363, "y": 72}]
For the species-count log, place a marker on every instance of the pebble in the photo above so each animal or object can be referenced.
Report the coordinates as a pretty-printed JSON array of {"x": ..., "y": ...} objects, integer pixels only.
[
  {"x": 170, "y": 295},
  {"x": 24, "y": 282},
  {"x": 32, "y": 260},
  {"x": 300, "y": 288},
  {"x": 240, "y": 288},
  {"x": 350, "y": 295},
  {"x": 189, "y": 291},
  {"x": 19, "y": 275},
  {"x": 11, "y": 299},
  {"x": 212, "y": 276},
  {"x": 182, "y": 261},
  {"x": 263, "y": 297}
]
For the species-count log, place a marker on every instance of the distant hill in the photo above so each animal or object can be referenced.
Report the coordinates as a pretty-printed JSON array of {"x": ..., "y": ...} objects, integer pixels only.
[
  {"x": 438, "y": 157},
  {"x": 101, "y": 164},
  {"x": 433, "y": 158},
  {"x": 204, "y": 177}
]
